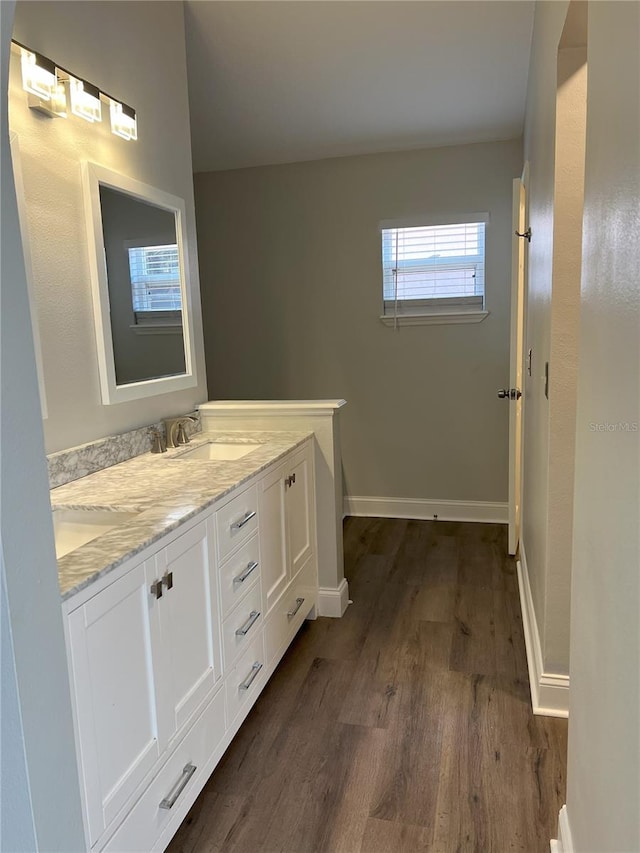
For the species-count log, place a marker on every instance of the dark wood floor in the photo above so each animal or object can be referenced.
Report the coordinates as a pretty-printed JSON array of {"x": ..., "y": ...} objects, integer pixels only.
[{"x": 404, "y": 726}]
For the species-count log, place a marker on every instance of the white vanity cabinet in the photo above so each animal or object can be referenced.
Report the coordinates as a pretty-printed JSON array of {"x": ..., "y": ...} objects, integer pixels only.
[
  {"x": 145, "y": 655},
  {"x": 168, "y": 653}
]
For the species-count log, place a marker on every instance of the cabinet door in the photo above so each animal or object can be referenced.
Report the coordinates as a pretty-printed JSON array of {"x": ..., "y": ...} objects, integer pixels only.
[
  {"x": 189, "y": 623},
  {"x": 113, "y": 654},
  {"x": 273, "y": 545},
  {"x": 299, "y": 506}
]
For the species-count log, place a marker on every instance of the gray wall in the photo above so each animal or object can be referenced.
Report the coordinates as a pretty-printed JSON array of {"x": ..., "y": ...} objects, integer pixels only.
[
  {"x": 554, "y": 149},
  {"x": 110, "y": 44},
  {"x": 603, "y": 773},
  {"x": 39, "y": 794},
  {"x": 291, "y": 294}
]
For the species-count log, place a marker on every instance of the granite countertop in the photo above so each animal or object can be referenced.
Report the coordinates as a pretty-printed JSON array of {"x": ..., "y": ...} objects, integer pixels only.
[{"x": 164, "y": 490}]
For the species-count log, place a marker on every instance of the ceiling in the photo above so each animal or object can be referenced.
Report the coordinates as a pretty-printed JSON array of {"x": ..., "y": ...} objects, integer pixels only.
[{"x": 279, "y": 81}]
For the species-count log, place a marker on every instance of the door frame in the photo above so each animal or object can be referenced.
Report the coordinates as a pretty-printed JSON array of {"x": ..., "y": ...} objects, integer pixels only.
[{"x": 517, "y": 378}]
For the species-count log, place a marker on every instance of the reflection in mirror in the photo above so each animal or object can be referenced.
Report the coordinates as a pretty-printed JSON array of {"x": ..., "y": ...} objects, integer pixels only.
[
  {"x": 143, "y": 274},
  {"x": 142, "y": 300}
]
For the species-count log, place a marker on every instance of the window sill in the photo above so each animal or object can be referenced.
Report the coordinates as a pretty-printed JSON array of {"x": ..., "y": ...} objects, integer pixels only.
[
  {"x": 434, "y": 318},
  {"x": 159, "y": 329}
]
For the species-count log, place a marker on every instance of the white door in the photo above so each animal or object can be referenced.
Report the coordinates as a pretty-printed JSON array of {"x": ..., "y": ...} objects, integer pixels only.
[
  {"x": 298, "y": 511},
  {"x": 518, "y": 257},
  {"x": 189, "y": 623},
  {"x": 273, "y": 543},
  {"x": 115, "y": 649}
]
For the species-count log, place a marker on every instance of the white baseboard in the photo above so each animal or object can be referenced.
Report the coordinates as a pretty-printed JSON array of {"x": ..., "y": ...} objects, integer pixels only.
[
  {"x": 333, "y": 601},
  {"x": 549, "y": 691},
  {"x": 564, "y": 844},
  {"x": 418, "y": 508}
]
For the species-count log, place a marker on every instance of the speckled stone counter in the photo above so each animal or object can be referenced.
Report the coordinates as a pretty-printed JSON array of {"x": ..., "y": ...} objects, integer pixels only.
[{"x": 165, "y": 490}]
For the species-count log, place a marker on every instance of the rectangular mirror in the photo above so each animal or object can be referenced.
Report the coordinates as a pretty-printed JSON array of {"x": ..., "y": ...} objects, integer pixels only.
[{"x": 140, "y": 286}]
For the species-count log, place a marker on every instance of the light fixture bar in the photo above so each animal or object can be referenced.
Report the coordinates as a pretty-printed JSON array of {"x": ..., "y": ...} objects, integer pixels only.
[{"x": 47, "y": 84}]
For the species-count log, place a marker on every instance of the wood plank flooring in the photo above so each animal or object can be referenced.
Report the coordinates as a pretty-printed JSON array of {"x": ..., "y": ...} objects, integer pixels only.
[{"x": 404, "y": 726}]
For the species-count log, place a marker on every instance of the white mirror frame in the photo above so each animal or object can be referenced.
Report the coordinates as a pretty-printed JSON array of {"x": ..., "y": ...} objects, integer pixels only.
[{"x": 93, "y": 177}]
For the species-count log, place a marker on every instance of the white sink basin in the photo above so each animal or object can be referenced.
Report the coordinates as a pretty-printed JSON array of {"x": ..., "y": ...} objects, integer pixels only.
[
  {"x": 75, "y": 527},
  {"x": 220, "y": 451}
]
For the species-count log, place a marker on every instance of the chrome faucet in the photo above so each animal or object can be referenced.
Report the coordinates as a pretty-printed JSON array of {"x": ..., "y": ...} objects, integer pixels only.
[{"x": 175, "y": 432}]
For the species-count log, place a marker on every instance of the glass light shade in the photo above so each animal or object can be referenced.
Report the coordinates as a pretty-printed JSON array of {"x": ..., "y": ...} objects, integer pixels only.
[
  {"x": 85, "y": 100},
  {"x": 123, "y": 121},
  {"x": 38, "y": 75}
]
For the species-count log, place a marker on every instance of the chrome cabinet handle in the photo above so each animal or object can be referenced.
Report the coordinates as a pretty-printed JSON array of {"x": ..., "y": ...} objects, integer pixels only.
[
  {"x": 299, "y": 603},
  {"x": 170, "y": 800},
  {"x": 237, "y": 525},
  {"x": 246, "y": 684},
  {"x": 156, "y": 589},
  {"x": 167, "y": 580},
  {"x": 251, "y": 567},
  {"x": 248, "y": 625}
]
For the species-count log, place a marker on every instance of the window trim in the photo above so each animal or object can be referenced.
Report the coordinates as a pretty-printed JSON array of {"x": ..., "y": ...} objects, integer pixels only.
[
  {"x": 435, "y": 311},
  {"x": 157, "y": 322}
]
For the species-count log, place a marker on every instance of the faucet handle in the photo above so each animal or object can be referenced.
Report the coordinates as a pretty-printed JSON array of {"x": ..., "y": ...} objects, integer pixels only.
[
  {"x": 182, "y": 437},
  {"x": 157, "y": 441}
]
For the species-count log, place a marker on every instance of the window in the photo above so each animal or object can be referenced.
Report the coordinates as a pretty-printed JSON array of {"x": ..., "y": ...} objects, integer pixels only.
[
  {"x": 156, "y": 291},
  {"x": 434, "y": 273}
]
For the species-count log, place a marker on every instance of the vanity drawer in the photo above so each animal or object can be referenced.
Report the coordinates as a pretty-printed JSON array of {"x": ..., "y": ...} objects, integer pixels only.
[
  {"x": 290, "y": 611},
  {"x": 236, "y": 521},
  {"x": 241, "y": 627},
  {"x": 245, "y": 681},
  {"x": 238, "y": 574},
  {"x": 146, "y": 821}
]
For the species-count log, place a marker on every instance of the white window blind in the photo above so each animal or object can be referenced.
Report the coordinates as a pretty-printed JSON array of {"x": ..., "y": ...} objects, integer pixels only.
[
  {"x": 155, "y": 279},
  {"x": 433, "y": 268}
]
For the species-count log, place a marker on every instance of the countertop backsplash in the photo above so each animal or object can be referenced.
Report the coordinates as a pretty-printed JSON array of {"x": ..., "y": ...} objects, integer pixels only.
[{"x": 65, "y": 466}]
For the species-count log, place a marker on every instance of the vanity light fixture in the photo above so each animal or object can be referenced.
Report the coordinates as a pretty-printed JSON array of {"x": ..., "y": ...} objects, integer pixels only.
[
  {"x": 85, "y": 100},
  {"x": 49, "y": 86},
  {"x": 123, "y": 120}
]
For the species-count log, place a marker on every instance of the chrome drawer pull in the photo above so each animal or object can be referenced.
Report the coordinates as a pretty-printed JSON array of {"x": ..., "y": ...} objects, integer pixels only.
[
  {"x": 246, "y": 684},
  {"x": 237, "y": 525},
  {"x": 253, "y": 618},
  {"x": 170, "y": 800},
  {"x": 253, "y": 565},
  {"x": 299, "y": 603}
]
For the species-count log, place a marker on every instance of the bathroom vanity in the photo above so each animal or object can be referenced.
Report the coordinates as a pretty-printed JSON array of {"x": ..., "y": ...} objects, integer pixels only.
[{"x": 176, "y": 617}]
